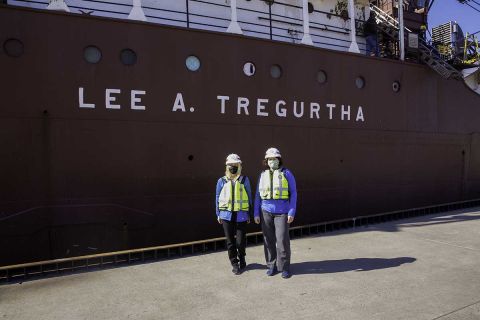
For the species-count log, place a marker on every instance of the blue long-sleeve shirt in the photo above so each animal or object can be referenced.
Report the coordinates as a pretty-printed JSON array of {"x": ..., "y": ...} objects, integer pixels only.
[
  {"x": 280, "y": 206},
  {"x": 227, "y": 215}
]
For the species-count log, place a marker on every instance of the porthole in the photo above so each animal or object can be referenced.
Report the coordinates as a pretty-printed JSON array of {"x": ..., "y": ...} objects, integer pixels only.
[
  {"x": 310, "y": 7},
  {"x": 275, "y": 71},
  {"x": 13, "y": 48},
  {"x": 249, "y": 69},
  {"x": 92, "y": 54},
  {"x": 192, "y": 63},
  {"x": 128, "y": 57},
  {"x": 321, "y": 76},
  {"x": 396, "y": 86},
  {"x": 360, "y": 82}
]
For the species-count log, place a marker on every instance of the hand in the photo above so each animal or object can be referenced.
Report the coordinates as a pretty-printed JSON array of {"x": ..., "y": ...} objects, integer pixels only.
[
  {"x": 257, "y": 220},
  {"x": 219, "y": 220},
  {"x": 290, "y": 219},
  {"x": 248, "y": 220}
]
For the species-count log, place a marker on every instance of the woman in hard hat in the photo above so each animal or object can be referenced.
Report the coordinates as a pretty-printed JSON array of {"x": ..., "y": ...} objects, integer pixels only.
[
  {"x": 234, "y": 200},
  {"x": 276, "y": 201}
]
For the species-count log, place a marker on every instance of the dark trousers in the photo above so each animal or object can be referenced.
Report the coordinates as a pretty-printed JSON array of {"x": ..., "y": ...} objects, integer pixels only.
[
  {"x": 276, "y": 241},
  {"x": 372, "y": 45},
  {"x": 236, "y": 238}
]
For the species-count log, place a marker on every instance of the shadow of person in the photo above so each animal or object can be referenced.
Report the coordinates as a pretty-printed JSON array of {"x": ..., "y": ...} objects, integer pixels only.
[
  {"x": 255, "y": 266},
  {"x": 358, "y": 264}
]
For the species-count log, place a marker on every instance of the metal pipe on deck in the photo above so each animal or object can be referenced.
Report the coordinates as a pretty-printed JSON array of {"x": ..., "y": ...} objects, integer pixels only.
[
  {"x": 401, "y": 35},
  {"x": 58, "y": 5},
  {"x": 137, "y": 11},
  {"x": 353, "y": 36},
  {"x": 234, "y": 27},
  {"x": 307, "y": 39}
]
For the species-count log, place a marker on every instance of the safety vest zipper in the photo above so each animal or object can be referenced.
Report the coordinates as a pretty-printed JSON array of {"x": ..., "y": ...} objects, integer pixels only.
[
  {"x": 271, "y": 184},
  {"x": 233, "y": 195}
]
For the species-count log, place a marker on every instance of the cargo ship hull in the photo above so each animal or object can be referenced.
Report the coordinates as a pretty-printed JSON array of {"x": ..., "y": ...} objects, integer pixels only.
[{"x": 106, "y": 156}]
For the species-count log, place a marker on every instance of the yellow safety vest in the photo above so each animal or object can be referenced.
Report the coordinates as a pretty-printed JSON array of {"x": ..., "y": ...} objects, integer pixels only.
[
  {"x": 276, "y": 181},
  {"x": 237, "y": 195}
]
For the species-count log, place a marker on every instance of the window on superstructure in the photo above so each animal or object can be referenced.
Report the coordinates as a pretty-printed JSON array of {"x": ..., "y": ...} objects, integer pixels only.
[
  {"x": 192, "y": 63},
  {"x": 322, "y": 77},
  {"x": 92, "y": 54},
  {"x": 275, "y": 71},
  {"x": 128, "y": 57},
  {"x": 13, "y": 48},
  {"x": 360, "y": 82},
  {"x": 249, "y": 69},
  {"x": 310, "y": 8}
]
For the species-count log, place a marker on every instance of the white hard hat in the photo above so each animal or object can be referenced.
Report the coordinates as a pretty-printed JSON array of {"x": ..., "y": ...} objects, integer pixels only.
[
  {"x": 272, "y": 153},
  {"x": 233, "y": 158}
]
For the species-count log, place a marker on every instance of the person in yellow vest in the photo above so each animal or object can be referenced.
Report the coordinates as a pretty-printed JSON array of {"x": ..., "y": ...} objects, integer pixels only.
[
  {"x": 233, "y": 205},
  {"x": 276, "y": 200}
]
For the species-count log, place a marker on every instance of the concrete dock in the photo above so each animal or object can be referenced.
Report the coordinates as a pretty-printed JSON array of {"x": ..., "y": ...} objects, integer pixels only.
[{"x": 422, "y": 268}]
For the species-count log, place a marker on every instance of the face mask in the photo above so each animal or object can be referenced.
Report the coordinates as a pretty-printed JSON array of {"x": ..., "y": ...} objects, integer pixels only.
[
  {"x": 273, "y": 164},
  {"x": 232, "y": 169}
]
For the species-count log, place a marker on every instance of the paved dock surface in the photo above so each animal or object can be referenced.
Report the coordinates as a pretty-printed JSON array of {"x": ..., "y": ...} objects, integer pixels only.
[{"x": 422, "y": 268}]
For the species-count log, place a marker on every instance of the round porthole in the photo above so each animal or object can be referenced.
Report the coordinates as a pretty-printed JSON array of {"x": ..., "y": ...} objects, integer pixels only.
[
  {"x": 92, "y": 54},
  {"x": 321, "y": 76},
  {"x": 249, "y": 69},
  {"x": 310, "y": 7},
  {"x": 396, "y": 86},
  {"x": 13, "y": 48},
  {"x": 192, "y": 63},
  {"x": 128, "y": 57},
  {"x": 275, "y": 71},
  {"x": 360, "y": 82}
]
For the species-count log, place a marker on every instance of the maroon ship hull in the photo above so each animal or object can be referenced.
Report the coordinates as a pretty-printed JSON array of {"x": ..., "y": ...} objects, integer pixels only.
[{"x": 80, "y": 180}]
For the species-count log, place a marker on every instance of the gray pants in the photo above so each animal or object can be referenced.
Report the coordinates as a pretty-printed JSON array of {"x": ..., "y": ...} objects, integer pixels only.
[{"x": 276, "y": 240}]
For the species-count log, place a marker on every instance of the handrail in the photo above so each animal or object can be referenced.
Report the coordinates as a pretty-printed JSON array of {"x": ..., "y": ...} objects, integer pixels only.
[{"x": 184, "y": 14}]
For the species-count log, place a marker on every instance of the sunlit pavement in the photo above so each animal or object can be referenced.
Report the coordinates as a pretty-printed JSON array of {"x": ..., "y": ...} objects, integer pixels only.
[{"x": 422, "y": 268}]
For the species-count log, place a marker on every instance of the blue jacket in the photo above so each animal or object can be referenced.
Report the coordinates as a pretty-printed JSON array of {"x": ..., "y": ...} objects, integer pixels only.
[
  {"x": 227, "y": 215},
  {"x": 279, "y": 206}
]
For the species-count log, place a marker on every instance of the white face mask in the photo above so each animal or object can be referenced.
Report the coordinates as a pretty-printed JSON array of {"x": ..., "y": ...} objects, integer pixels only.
[{"x": 273, "y": 164}]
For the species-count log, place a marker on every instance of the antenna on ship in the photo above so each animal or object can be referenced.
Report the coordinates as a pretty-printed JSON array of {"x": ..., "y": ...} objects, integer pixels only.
[
  {"x": 59, "y": 5},
  {"x": 307, "y": 39},
  {"x": 137, "y": 11},
  {"x": 234, "y": 27},
  {"x": 353, "y": 36}
]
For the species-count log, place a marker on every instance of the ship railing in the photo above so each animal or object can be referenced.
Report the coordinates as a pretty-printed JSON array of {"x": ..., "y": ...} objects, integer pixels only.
[
  {"x": 384, "y": 17},
  {"x": 213, "y": 15},
  {"x": 33, "y": 270}
]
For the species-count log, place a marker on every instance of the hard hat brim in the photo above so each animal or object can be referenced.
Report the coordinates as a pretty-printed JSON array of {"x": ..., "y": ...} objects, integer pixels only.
[{"x": 233, "y": 162}]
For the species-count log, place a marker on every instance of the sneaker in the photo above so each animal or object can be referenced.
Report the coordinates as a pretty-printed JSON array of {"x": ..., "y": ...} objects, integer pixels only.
[
  {"x": 271, "y": 272},
  {"x": 286, "y": 274},
  {"x": 236, "y": 269}
]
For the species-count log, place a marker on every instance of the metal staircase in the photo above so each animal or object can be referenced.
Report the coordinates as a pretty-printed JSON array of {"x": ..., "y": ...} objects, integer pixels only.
[{"x": 427, "y": 53}]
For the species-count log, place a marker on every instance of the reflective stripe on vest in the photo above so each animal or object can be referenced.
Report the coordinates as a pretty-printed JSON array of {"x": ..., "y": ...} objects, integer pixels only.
[
  {"x": 277, "y": 181},
  {"x": 240, "y": 197}
]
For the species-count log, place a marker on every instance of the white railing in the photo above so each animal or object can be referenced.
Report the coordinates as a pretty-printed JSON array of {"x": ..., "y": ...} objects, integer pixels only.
[{"x": 282, "y": 21}]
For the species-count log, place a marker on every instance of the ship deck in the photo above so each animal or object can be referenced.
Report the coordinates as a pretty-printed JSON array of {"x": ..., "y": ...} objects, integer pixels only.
[{"x": 419, "y": 268}]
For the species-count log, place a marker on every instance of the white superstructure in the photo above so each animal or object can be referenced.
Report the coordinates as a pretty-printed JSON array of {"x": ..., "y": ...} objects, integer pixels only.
[{"x": 327, "y": 22}]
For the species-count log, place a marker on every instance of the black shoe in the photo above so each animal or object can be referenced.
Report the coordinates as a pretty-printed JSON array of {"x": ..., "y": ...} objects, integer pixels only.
[
  {"x": 243, "y": 263},
  {"x": 272, "y": 271},
  {"x": 236, "y": 269}
]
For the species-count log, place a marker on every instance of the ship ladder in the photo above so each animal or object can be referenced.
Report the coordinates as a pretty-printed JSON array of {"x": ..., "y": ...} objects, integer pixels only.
[{"x": 427, "y": 53}]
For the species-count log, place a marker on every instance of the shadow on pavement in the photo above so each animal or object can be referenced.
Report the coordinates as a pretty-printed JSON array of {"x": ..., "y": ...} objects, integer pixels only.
[{"x": 344, "y": 265}]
